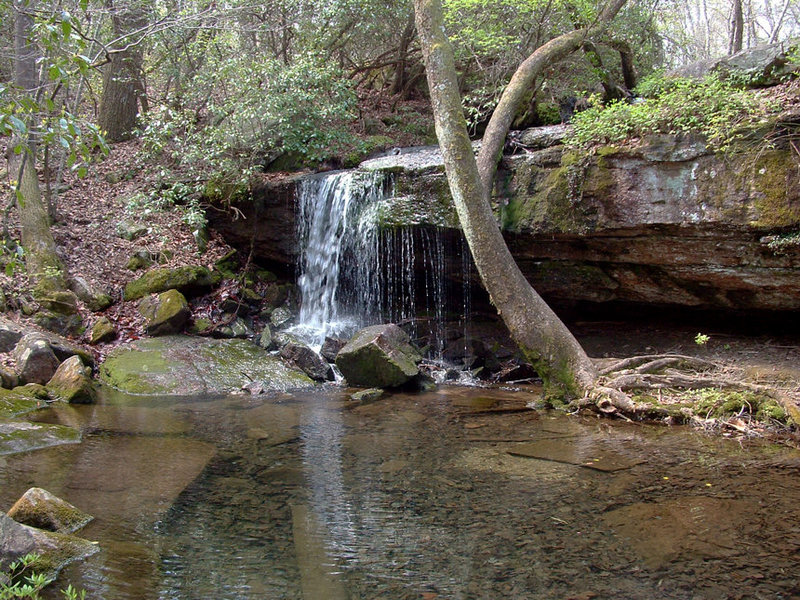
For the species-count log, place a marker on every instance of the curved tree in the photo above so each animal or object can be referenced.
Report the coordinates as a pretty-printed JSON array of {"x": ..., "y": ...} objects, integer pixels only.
[{"x": 544, "y": 339}]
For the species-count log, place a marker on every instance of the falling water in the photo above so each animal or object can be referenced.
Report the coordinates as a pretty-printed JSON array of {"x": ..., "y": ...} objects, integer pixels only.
[{"x": 353, "y": 272}]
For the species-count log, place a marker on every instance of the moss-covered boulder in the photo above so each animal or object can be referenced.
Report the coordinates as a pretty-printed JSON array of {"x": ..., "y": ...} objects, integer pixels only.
[
  {"x": 102, "y": 331},
  {"x": 22, "y": 400},
  {"x": 380, "y": 356},
  {"x": 55, "y": 550},
  {"x": 94, "y": 298},
  {"x": 186, "y": 366},
  {"x": 190, "y": 279},
  {"x": 72, "y": 382},
  {"x": 166, "y": 313},
  {"x": 41, "y": 509}
]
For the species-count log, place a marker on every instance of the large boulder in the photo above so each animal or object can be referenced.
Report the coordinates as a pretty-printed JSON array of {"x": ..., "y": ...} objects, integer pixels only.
[
  {"x": 380, "y": 356},
  {"x": 72, "y": 382},
  {"x": 185, "y": 366},
  {"x": 39, "y": 508},
  {"x": 166, "y": 313},
  {"x": 36, "y": 361},
  {"x": 187, "y": 280},
  {"x": 308, "y": 361}
]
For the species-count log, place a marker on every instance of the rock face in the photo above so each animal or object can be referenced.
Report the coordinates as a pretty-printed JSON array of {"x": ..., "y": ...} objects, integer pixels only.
[
  {"x": 166, "y": 313},
  {"x": 380, "y": 356},
  {"x": 72, "y": 382},
  {"x": 185, "y": 366},
  {"x": 666, "y": 224}
]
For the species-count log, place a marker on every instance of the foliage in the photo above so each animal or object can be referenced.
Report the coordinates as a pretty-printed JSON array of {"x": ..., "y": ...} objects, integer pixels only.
[
  {"x": 701, "y": 339},
  {"x": 724, "y": 403},
  {"x": 22, "y": 581},
  {"x": 712, "y": 107}
]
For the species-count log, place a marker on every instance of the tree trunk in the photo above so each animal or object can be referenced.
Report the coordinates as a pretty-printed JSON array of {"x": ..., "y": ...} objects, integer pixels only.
[
  {"x": 737, "y": 28},
  {"x": 546, "y": 342},
  {"x": 123, "y": 87},
  {"x": 41, "y": 260}
]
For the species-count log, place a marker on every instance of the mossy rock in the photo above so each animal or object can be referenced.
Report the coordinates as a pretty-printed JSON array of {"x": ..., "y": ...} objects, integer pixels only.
[
  {"x": 59, "y": 323},
  {"x": 73, "y": 383},
  {"x": 102, "y": 331},
  {"x": 187, "y": 280},
  {"x": 166, "y": 313},
  {"x": 21, "y": 436},
  {"x": 380, "y": 356},
  {"x": 41, "y": 509},
  {"x": 187, "y": 366},
  {"x": 22, "y": 400}
]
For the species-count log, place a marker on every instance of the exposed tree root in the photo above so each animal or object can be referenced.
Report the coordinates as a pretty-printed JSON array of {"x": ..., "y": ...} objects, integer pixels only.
[{"x": 668, "y": 374}]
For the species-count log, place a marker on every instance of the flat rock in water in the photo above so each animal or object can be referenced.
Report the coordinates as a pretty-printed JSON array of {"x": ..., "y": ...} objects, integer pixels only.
[
  {"x": 21, "y": 436},
  {"x": 571, "y": 451},
  {"x": 135, "y": 420},
  {"x": 691, "y": 526},
  {"x": 272, "y": 424},
  {"x": 186, "y": 366}
]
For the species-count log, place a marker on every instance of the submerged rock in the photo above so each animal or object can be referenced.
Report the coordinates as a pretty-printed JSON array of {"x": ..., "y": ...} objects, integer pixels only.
[
  {"x": 72, "y": 382},
  {"x": 22, "y": 400},
  {"x": 181, "y": 365},
  {"x": 367, "y": 396},
  {"x": 166, "y": 313},
  {"x": 39, "y": 508},
  {"x": 21, "y": 436},
  {"x": 379, "y": 356}
]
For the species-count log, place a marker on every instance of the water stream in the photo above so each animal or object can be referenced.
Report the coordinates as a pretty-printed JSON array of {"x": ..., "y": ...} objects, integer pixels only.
[{"x": 434, "y": 495}]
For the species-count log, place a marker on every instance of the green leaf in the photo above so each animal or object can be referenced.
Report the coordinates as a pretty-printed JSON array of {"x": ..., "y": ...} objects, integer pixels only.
[
  {"x": 82, "y": 171},
  {"x": 18, "y": 125}
]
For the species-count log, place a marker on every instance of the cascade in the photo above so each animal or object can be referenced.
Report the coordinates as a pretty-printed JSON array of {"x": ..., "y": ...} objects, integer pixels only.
[{"x": 352, "y": 272}]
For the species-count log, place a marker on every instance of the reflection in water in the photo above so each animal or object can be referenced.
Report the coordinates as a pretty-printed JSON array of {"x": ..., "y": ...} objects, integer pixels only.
[{"x": 416, "y": 496}]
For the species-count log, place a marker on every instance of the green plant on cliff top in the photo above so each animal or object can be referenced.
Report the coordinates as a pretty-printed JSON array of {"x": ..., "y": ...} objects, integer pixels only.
[{"x": 711, "y": 107}]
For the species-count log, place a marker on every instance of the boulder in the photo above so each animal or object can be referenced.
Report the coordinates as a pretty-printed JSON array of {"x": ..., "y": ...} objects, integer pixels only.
[
  {"x": 130, "y": 231},
  {"x": 15, "y": 541},
  {"x": 102, "y": 331},
  {"x": 331, "y": 347},
  {"x": 185, "y": 366},
  {"x": 43, "y": 510},
  {"x": 281, "y": 317},
  {"x": 187, "y": 280},
  {"x": 141, "y": 259},
  {"x": 166, "y": 313},
  {"x": 236, "y": 328},
  {"x": 72, "y": 383},
  {"x": 379, "y": 356},
  {"x": 10, "y": 334},
  {"x": 94, "y": 299},
  {"x": 308, "y": 361},
  {"x": 36, "y": 361},
  {"x": 8, "y": 379}
]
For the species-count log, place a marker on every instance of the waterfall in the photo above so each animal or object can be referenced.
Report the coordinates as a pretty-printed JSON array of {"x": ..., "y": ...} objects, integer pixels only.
[{"x": 352, "y": 272}]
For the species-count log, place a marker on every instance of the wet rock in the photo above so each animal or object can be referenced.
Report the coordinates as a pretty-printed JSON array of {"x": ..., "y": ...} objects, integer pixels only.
[
  {"x": 265, "y": 338},
  {"x": 102, "y": 331},
  {"x": 187, "y": 280},
  {"x": 72, "y": 383},
  {"x": 331, "y": 347},
  {"x": 181, "y": 365},
  {"x": 36, "y": 361},
  {"x": 367, "y": 396},
  {"x": 281, "y": 317},
  {"x": 21, "y": 436},
  {"x": 41, "y": 509},
  {"x": 379, "y": 356},
  {"x": 166, "y": 313},
  {"x": 305, "y": 359}
]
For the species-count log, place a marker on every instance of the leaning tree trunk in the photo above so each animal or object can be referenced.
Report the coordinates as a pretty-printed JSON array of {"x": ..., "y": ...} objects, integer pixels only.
[
  {"x": 540, "y": 334},
  {"x": 42, "y": 262},
  {"x": 123, "y": 89}
]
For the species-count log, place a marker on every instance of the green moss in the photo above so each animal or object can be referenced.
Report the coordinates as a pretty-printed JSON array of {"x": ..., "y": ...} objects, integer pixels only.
[
  {"x": 22, "y": 400},
  {"x": 726, "y": 403},
  {"x": 184, "y": 279},
  {"x": 776, "y": 180},
  {"x": 132, "y": 371}
]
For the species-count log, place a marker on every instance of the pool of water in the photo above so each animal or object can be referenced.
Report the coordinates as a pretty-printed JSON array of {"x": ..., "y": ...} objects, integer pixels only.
[{"x": 456, "y": 493}]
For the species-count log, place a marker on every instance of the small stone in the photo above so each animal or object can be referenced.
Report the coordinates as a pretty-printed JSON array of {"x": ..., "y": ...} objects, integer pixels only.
[
  {"x": 367, "y": 396},
  {"x": 140, "y": 260},
  {"x": 130, "y": 231},
  {"x": 102, "y": 331},
  {"x": 39, "y": 508},
  {"x": 8, "y": 378},
  {"x": 71, "y": 383}
]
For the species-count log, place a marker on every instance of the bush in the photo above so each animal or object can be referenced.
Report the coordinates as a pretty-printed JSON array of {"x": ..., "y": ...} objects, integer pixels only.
[{"x": 710, "y": 107}]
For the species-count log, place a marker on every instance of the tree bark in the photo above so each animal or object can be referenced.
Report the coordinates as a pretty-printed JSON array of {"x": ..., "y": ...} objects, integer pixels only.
[
  {"x": 42, "y": 262},
  {"x": 546, "y": 342},
  {"x": 737, "y": 28},
  {"x": 123, "y": 87}
]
